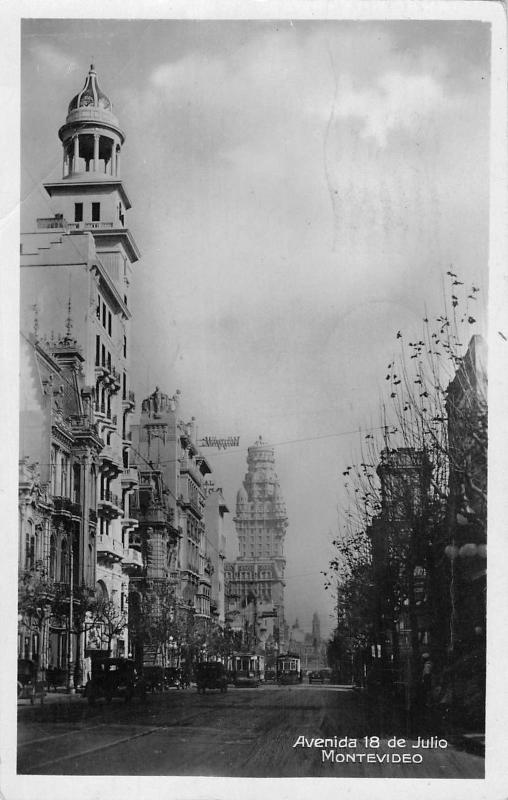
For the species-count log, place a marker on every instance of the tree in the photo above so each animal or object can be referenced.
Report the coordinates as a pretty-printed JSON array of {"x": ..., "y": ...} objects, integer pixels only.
[
  {"x": 394, "y": 533},
  {"x": 110, "y": 620},
  {"x": 35, "y": 596}
]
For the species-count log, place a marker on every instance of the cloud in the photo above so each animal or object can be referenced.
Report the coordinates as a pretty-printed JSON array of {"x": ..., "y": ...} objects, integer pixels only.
[
  {"x": 398, "y": 102},
  {"x": 53, "y": 61}
]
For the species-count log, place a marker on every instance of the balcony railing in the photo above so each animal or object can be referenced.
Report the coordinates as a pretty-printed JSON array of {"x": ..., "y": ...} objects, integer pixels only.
[
  {"x": 132, "y": 558},
  {"x": 109, "y": 547},
  {"x": 108, "y": 454},
  {"x": 67, "y": 507},
  {"x": 81, "y": 226},
  {"x": 110, "y": 505},
  {"x": 51, "y": 223},
  {"x": 111, "y": 497},
  {"x": 129, "y": 477}
]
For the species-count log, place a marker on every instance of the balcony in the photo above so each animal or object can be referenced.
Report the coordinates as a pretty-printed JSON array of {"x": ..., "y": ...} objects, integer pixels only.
[
  {"x": 52, "y": 223},
  {"x": 191, "y": 501},
  {"x": 186, "y": 466},
  {"x": 129, "y": 478},
  {"x": 132, "y": 560},
  {"x": 109, "y": 549},
  {"x": 110, "y": 506},
  {"x": 110, "y": 461},
  {"x": 65, "y": 507},
  {"x": 89, "y": 226}
]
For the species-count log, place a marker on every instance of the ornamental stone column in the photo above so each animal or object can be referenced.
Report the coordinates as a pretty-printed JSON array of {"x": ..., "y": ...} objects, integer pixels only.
[
  {"x": 76, "y": 154},
  {"x": 96, "y": 138}
]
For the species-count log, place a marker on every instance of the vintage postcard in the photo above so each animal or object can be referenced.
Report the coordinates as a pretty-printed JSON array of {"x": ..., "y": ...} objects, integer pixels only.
[{"x": 254, "y": 296}]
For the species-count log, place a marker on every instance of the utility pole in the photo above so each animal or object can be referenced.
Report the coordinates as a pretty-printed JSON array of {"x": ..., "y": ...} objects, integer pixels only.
[{"x": 70, "y": 681}]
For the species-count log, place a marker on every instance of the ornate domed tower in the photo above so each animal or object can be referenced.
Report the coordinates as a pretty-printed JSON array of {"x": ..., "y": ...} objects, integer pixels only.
[
  {"x": 91, "y": 136},
  {"x": 257, "y": 576},
  {"x": 81, "y": 259},
  {"x": 90, "y": 196}
]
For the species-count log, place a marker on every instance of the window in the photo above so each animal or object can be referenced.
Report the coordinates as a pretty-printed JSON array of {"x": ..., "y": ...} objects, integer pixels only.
[
  {"x": 30, "y": 550},
  {"x": 76, "y": 477},
  {"x": 64, "y": 562},
  {"x": 52, "y": 468},
  {"x": 125, "y": 346},
  {"x": 78, "y": 212},
  {"x": 64, "y": 476},
  {"x": 52, "y": 558},
  {"x": 96, "y": 212},
  {"x": 104, "y": 312},
  {"x": 103, "y": 355},
  {"x": 97, "y": 350},
  {"x": 93, "y": 487},
  {"x": 109, "y": 322},
  {"x": 98, "y": 309}
]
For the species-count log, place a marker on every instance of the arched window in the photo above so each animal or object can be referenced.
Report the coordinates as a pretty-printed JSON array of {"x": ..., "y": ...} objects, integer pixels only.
[{"x": 101, "y": 592}]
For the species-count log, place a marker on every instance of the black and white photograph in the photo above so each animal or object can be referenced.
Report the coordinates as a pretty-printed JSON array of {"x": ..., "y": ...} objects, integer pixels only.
[{"x": 254, "y": 300}]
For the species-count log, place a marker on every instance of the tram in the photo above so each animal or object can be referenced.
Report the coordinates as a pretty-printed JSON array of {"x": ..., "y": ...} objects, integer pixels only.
[
  {"x": 248, "y": 669},
  {"x": 289, "y": 668}
]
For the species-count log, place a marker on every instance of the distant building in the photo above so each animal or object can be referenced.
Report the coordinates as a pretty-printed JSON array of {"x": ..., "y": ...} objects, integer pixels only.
[
  {"x": 215, "y": 510},
  {"x": 255, "y": 580},
  {"x": 308, "y": 645},
  {"x": 175, "y": 546}
]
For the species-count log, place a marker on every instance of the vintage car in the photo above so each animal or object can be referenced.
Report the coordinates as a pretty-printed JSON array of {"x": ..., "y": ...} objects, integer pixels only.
[
  {"x": 320, "y": 676},
  {"x": 211, "y": 675},
  {"x": 114, "y": 677}
]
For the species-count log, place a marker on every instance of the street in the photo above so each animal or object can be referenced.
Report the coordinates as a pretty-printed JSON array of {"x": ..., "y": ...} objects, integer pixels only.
[{"x": 269, "y": 731}]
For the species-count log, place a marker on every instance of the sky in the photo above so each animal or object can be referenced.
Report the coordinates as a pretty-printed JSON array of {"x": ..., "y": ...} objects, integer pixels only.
[{"x": 298, "y": 190}]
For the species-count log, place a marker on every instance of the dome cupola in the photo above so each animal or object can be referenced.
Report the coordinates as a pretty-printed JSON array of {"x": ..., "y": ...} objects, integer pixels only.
[
  {"x": 91, "y": 137},
  {"x": 90, "y": 96}
]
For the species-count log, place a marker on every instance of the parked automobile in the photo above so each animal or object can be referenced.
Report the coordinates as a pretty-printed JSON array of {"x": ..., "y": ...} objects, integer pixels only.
[
  {"x": 320, "y": 676},
  {"x": 211, "y": 675},
  {"x": 114, "y": 677}
]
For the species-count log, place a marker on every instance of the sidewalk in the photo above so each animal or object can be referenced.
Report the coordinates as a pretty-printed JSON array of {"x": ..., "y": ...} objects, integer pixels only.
[{"x": 61, "y": 696}]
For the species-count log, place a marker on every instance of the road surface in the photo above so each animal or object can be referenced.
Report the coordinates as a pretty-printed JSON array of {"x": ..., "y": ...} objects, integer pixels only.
[{"x": 270, "y": 731}]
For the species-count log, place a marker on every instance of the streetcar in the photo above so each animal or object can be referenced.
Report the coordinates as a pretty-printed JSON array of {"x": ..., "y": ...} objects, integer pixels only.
[
  {"x": 248, "y": 669},
  {"x": 289, "y": 669}
]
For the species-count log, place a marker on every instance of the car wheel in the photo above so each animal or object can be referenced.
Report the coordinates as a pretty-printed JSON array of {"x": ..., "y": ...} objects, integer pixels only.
[{"x": 20, "y": 689}]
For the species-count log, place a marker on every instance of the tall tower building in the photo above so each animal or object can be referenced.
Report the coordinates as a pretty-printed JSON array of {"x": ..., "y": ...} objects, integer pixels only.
[
  {"x": 75, "y": 276},
  {"x": 256, "y": 578}
]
